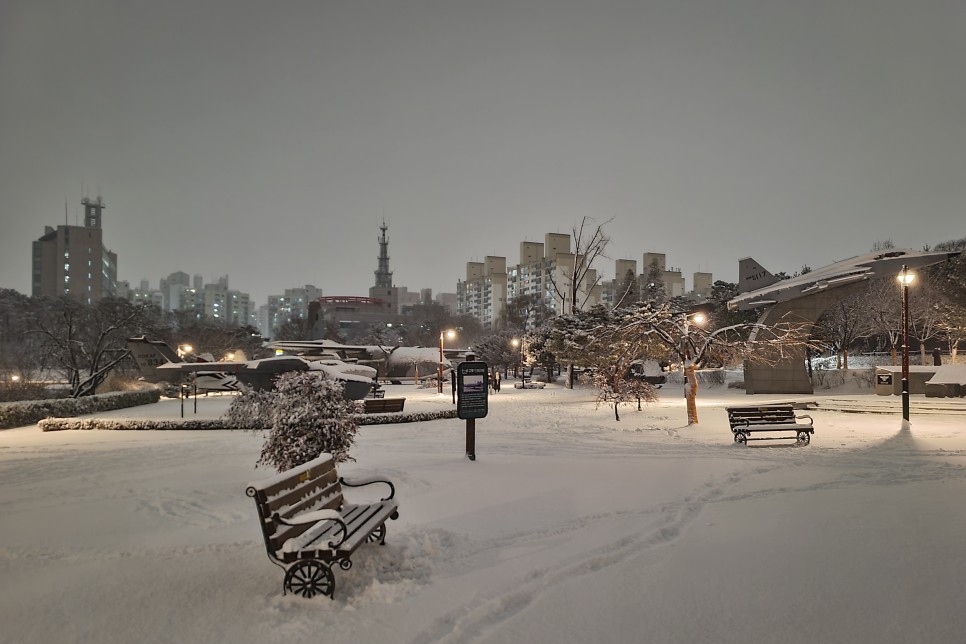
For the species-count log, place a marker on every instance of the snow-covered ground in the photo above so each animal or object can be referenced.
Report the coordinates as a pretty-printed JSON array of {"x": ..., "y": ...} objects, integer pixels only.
[{"x": 569, "y": 527}]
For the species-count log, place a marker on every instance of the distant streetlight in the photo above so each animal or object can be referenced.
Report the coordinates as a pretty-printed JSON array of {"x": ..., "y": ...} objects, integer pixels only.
[
  {"x": 449, "y": 334},
  {"x": 905, "y": 279}
]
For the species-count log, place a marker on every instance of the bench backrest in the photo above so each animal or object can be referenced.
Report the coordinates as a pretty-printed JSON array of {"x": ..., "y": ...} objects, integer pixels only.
[
  {"x": 312, "y": 486},
  {"x": 775, "y": 413}
]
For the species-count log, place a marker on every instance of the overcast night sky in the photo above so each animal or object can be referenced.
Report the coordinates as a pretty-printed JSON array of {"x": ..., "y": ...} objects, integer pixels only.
[{"x": 268, "y": 140}]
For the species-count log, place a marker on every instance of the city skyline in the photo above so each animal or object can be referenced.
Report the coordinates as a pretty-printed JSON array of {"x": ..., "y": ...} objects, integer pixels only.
[{"x": 268, "y": 143}]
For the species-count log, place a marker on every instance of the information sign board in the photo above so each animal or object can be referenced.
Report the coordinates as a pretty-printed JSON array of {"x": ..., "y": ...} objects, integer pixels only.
[{"x": 472, "y": 388}]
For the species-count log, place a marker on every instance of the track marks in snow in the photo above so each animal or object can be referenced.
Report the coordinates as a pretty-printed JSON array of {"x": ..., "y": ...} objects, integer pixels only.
[{"x": 480, "y": 617}]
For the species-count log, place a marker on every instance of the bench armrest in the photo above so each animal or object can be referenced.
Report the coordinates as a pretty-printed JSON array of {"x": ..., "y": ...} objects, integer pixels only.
[
  {"x": 369, "y": 481},
  {"x": 803, "y": 416},
  {"x": 314, "y": 517}
]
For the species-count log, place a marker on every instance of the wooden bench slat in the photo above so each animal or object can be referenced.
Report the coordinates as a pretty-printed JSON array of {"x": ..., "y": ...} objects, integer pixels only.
[
  {"x": 383, "y": 405},
  {"x": 360, "y": 520}
]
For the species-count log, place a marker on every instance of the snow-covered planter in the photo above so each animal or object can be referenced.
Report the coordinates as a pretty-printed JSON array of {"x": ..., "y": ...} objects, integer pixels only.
[
  {"x": 305, "y": 416},
  {"x": 20, "y": 414}
]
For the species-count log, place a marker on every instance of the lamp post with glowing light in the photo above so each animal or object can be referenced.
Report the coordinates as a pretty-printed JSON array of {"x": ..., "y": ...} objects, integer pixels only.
[
  {"x": 905, "y": 279},
  {"x": 449, "y": 334},
  {"x": 687, "y": 358}
]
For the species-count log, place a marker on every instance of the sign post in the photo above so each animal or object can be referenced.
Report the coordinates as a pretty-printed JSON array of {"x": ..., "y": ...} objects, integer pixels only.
[{"x": 471, "y": 398}]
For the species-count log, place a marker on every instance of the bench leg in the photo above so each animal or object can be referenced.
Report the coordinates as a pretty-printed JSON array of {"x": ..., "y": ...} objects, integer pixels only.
[
  {"x": 741, "y": 438},
  {"x": 308, "y": 578},
  {"x": 804, "y": 438}
]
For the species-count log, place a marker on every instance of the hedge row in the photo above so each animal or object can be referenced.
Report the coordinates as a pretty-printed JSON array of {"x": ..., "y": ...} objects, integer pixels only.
[
  {"x": 60, "y": 424},
  {"x": 416, "y": 417},
  {"x": 142, "y": 424},
  {"x": 20, "y": 414}
]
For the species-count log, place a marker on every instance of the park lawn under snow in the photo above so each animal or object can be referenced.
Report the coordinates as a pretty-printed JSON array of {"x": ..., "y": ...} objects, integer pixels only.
[{"x": 569, "y": 527}]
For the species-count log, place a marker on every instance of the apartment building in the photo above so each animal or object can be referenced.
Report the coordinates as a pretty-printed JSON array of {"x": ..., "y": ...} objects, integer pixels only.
[{"x": 72, "y": 260}]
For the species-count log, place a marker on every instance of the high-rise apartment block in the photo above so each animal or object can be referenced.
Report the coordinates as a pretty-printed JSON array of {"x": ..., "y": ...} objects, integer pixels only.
[
  {"x": 545, "y": 273},
  {"x": 72, "y": 260}
]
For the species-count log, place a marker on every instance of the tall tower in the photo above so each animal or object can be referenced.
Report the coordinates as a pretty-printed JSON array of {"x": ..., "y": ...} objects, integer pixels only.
[
  {"x": 383, "y": 274},
  {"x": 384, "y": 290}
]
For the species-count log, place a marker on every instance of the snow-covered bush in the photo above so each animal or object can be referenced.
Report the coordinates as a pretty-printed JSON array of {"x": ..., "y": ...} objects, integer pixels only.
[{"x": 306, "y": 415}]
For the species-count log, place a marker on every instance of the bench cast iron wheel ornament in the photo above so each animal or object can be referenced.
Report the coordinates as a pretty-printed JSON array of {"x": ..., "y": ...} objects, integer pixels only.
[
  {"x": 379, "y": 534},
  {"x": 309, "y": 578},
  {"x": 741, "y": 438},
  {"x": 803, "y": 438}
]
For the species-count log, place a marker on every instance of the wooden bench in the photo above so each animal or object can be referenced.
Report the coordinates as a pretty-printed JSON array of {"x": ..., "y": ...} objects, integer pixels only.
[
  {"x": 309, "y": 528},
  {"x": 745, "y": 421},
  {"x": 383, "y": 405}
]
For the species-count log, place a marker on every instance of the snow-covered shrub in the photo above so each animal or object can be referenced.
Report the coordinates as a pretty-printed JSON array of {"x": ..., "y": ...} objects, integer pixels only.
[
  {"x": 251, "y": 409},
  {"x": 306, "y": 415}
]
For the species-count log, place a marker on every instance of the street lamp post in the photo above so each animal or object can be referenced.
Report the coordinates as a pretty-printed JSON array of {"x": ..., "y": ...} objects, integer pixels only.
[
  {"x": 905, "y": 279},
  {"x": 439, "y": 380}
]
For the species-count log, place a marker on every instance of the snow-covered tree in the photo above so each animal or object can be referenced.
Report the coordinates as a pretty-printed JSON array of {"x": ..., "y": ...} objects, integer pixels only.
[
  {"x": 654, "y": 290},
  {"x": 305, "y": 415},
  {"x": 700, "y": 344},
  {"x": 628, "y": 292},
  {"x": 498, "y": 350}
]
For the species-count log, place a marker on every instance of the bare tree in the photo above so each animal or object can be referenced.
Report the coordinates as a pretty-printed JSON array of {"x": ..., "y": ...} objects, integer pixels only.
[
  {"x": 86, "y": 341},
  {"x": 588, "y": 246},
  {"x": 294, "y": 328},
  {"x": 843, "y": 324},
  {"x": 882, "y": 303}
]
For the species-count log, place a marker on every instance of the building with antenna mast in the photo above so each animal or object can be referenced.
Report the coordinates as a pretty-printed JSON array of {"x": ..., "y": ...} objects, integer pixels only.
[{"x": 72, "y": 260}]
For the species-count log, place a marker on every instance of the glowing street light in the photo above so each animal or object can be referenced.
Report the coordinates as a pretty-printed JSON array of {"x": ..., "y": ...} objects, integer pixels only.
[
  {"x": 905, "y": 279},
  {"x": 449, "y": 334}
]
